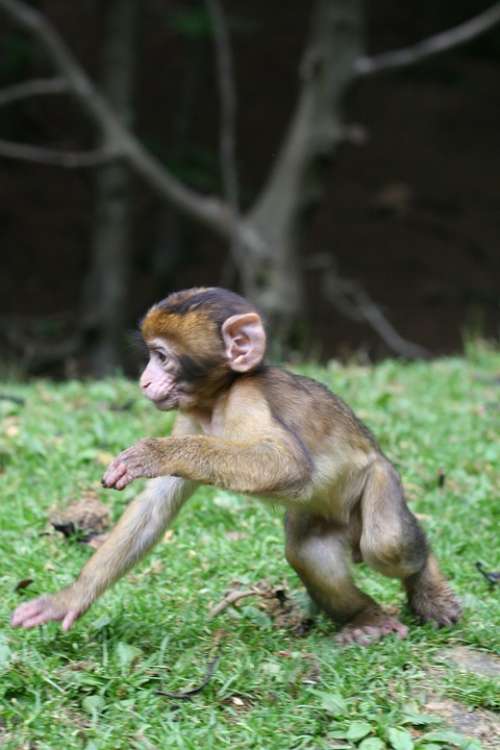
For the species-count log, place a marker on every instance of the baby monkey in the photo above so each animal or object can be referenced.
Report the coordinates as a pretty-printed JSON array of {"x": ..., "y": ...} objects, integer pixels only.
[{"x": 247, "y": 427}]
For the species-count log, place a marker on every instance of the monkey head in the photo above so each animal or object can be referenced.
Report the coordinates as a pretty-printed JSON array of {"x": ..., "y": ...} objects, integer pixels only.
[{"x": 198, "y": 341}]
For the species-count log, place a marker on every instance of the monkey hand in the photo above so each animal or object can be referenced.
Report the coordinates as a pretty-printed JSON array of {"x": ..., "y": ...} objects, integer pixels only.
[
  {"x": 133, "y": 463},
  {"x": 65, "y": 606}
]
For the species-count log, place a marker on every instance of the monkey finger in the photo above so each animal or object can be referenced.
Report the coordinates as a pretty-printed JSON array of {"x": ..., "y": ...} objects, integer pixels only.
[
  {"x": 114, "y": 472},
  {"x": 362, "y": 636},
  {"x": 70, "y": 618},
  {"x": 26, "y": 611},
  {"x": 345, "y": 637},
  {"x": 39, "y": 619},
  {"x": 400, "y": 630},
  {"x": 45, "y": 612},
  {"x": 365, "y": 636},
  {"x": 444, "y": 622},
  {"x": 121, "y": 483}
]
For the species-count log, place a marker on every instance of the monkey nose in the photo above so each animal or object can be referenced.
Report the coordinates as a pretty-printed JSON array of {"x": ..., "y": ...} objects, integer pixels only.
[{"x": 144, "y": 384}]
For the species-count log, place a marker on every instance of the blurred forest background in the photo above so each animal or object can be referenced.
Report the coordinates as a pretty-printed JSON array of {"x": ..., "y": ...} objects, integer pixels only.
[{"x": 274, "y": 148}]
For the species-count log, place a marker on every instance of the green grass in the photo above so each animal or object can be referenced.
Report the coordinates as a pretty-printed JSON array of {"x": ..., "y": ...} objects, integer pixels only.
[{"x": 96, "y": 687}]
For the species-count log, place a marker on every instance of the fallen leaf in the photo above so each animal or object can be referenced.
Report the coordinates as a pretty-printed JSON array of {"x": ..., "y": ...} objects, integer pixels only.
[
  {"x": 104, "y": 457},
  {"x": 238, "y": 701},
  {"x": 11, "y": 427},
  {"x": 23, "y": 584},
  {"x": 156, "y": 567}
]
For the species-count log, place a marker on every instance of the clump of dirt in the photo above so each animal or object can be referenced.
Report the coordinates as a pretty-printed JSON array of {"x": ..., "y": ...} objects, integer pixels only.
[
  {"x": 86, "y": 517},
  {"x": 275, "y": 601}
]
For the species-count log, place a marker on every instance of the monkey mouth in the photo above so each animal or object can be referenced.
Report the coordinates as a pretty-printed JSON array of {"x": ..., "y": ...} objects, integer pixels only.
[
  {"x": 166, "y": 403},
  {"x": 175, "y": 399}
]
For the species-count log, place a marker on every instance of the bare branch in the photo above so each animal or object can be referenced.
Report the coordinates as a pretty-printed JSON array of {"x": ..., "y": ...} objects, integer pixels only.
[
  {"x": 282, "y": 210},
  {"x": 36, "y": 87},
  {"x": 54, "y": 157},
  {"x": 209, "y": 211},
  {"x": 354, "y": 302},
  {"x": 261, "y": 588},
  {"x": 373, "y": 315},
  {"x": 433, "y": 45},
  {"x": 231, "y": 598}
]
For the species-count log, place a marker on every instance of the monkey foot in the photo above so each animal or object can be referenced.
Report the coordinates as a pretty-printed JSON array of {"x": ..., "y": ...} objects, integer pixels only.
[
  {"x": 438, "y": 606},
  {"x": 370, "y": 626}
]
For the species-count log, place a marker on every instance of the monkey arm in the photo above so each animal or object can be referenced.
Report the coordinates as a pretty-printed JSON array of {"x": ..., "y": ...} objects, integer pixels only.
[
  {"x": 269, "y": 466},
  {"x": 136, "y": 532}
]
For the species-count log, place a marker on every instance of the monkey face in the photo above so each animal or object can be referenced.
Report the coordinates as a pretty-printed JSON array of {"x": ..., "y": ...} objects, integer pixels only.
[
  {"x": 199, "y": 340},
  {"x": 160, "y": 380},
  {"x": 172, "y": 380}
]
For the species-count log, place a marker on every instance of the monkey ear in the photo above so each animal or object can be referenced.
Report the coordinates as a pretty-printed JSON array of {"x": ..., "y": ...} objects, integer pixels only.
[{"x": 245, "y": 341}]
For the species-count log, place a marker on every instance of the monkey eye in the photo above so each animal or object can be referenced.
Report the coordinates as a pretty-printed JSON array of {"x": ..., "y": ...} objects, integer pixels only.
[{"x": 159, "y": 355}]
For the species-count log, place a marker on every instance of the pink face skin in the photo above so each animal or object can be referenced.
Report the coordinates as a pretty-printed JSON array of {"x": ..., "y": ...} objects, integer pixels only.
[{"x": 159, "y": 381}]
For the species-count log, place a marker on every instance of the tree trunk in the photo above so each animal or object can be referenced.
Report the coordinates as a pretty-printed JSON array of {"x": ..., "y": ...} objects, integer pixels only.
[
  {"x": 105, "y": 295},
  {"x": 282, "y": 212}
]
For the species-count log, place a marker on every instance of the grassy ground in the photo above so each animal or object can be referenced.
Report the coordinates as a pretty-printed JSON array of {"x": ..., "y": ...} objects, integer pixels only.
[{"x": 96, "y": 687}]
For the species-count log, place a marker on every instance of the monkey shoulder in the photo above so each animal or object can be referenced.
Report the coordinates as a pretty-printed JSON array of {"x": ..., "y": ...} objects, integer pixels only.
[
  {"x": 244, "y": 406},
  {"x": 312, "y": 411}
]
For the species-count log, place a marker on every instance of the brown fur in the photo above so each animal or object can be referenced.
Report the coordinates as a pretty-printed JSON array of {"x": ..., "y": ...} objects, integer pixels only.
[
  {"x": 193, "y": 319},
  {"x": 280, "y": 436}
]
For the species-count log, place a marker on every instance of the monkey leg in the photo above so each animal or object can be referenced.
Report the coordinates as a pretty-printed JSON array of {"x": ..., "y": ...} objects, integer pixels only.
[
  {"x": 317, "y": 550},
  {"x": 393, "y": 543},
  {"x": 430, "y": 597}
]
